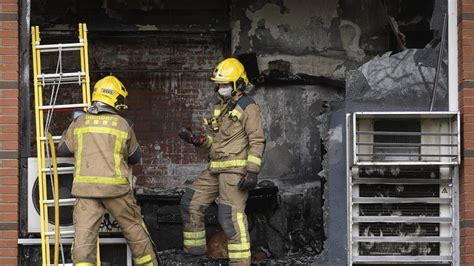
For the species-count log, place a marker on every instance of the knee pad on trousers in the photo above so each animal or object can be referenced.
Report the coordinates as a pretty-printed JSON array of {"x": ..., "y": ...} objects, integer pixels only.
[
  {"x": 185, "y": 203},
  {"x": 224, "y": 215}
]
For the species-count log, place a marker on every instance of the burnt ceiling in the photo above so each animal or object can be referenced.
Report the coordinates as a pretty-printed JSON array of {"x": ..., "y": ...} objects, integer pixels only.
[{"x": 120, "y": 15}]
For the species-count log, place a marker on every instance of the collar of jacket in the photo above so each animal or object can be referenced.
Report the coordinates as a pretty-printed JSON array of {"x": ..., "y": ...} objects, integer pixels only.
[
  {"x": 229, "y": 105},
  {"x": 233, "y": 99},
  {"x": 98, "y": 107}
]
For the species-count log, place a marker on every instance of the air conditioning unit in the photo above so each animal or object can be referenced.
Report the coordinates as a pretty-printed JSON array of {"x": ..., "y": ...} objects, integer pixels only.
[
  {"x": 403, "y": 187},
  {"x": 108, "y": 225}
]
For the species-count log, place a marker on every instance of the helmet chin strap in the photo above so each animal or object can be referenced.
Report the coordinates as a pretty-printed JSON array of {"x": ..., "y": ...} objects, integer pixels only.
[
  {"x": 235, "y": 96},
  {"x": 222, "y": 99}
]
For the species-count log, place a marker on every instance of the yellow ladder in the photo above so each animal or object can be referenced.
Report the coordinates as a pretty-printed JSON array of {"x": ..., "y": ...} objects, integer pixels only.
[{"x": 49, "y": 167}]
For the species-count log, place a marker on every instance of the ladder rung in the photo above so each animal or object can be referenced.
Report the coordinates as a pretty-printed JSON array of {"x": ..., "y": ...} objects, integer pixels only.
[
  {"x": 63, "y": 82},
  {"x": 60, "y": 46},
  {"x": 53, "y": 79},
  {"x": 62, "y": 202},
  {"x": 61, "y": 75},
  {"x": 63, "y": 233},
  {"x": 63, "y": 106},
  {"x": 56, "y": 139},
  {"x": 61, "y": 170}
]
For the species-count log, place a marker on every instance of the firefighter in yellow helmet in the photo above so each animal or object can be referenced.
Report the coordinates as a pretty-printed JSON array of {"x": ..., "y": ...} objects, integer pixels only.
[
  {"x": 236, "y": 143},
  {"x": 104, "y": 146}
]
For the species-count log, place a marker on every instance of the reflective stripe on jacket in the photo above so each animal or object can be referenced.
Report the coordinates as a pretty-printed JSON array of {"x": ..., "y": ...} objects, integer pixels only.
[
  {"x": 101, "y": 145},
  {"x": 239, "y": 143}
]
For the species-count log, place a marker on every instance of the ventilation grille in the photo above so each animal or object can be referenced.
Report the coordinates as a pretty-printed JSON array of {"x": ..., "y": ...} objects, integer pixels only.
[
  {"x": 425, "y": 171},
  {"x": 401, "y": 188},
  {"x": 398, "y": 230},
  {"x": 413, "y": 138},
  {"x": 405, "y": 249},
  {"x": 409, "y": 209}
]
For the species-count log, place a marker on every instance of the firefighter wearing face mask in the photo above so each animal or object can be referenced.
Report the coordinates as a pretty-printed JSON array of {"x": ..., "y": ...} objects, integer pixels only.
[
  {"x": 104, "y": 146},
  {"x": 236, "y": 142}
]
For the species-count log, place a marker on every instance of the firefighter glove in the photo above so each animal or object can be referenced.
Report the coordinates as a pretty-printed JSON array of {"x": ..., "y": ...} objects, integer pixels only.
[
  {"x": 195, "y": 138},
  {"x": 248, "y": 182}
]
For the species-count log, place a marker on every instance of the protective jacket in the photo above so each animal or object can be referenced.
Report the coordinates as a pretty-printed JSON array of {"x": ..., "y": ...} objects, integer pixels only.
[
  {"x": 102, "y": 143},
  {"x": 236, "y": 146},
  {"x": 238, "y": 141}
]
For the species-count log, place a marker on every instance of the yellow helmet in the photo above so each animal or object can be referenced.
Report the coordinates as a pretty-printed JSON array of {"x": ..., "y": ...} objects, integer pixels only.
[
  {"x": 111, "y": 91},
  {"x": 231, "y": 71}
]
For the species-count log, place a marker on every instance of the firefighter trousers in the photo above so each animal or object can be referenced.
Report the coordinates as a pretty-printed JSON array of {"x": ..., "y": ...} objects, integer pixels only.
[
  {"x": 88, "y": 213},
  {"x": 231, "y": 214}
]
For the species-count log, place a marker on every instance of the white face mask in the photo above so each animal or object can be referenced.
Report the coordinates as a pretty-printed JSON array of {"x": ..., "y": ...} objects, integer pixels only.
[{"x": 225, "y": 92}]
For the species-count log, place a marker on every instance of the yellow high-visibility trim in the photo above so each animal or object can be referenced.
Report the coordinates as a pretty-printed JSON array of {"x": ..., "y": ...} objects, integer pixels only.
[
  {"x": 239, "y": 255},
  {"x": 242, "y": 250},
  {"x": 120, "y": 135},
  {"x": 226, "y": 164},
  {"x": 101, "y": 180},
  {"x": 194, "y": 235},
  {"x": 194, "y": 242},
  {"x": 216, "y": 112},
  {"x": 254, "y": 159},
  {"x": 209, "y": 142},
  {"x": 117, "y": 149},
  {"x": 236, "y": 113},
  {"x": 145, "y": 228},
  {"x": 102, "y": 130},
  {"x": 243, "y": 230},
  {"x": 79, "y": 154},
  {"x": 84, "y": 264},
  {"x": 239, "y": 247},
  {"x": 142, "y": 260}
]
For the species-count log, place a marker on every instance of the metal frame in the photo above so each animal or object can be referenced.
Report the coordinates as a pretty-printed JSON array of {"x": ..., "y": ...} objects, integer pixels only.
[
  {"x": 455, "y": 224},
  {"x": 349, "y": 188},
  {"x": 453, "y": 182},
  {"x": 397, "y": 259},
  {"x": 25, "y": 117}
]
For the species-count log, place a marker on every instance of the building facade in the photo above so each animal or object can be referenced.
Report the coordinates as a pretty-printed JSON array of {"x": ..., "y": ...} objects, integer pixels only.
[{"x": 247, "y": 30}]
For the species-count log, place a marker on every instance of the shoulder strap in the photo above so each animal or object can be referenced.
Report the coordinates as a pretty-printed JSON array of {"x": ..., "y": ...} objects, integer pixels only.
[{"x": 245, "y": 101}]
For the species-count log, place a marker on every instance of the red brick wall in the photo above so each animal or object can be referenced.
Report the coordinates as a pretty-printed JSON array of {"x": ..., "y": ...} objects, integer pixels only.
[
  {"x": 9, "y": 138},
  {"x": 466, "y": 105},
  {"x": 167, "y": 77}
]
